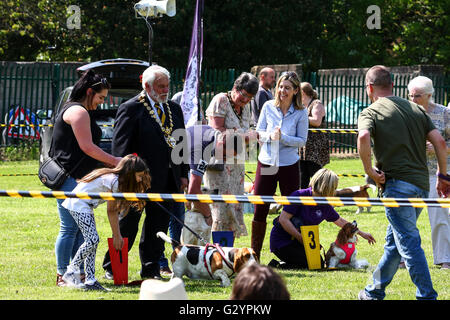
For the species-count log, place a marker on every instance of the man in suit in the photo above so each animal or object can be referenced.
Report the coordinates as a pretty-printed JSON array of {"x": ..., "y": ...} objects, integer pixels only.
[{"x": 145, "y": 125}]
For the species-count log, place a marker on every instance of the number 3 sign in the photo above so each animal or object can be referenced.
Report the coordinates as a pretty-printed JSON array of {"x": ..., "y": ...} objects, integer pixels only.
[{"x": 310, "y": 235}]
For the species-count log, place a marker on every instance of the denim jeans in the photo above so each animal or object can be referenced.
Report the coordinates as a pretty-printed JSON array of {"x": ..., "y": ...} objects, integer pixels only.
[
  {"x": 402, "y": 241},
  {"x": 69, "y": 238},
  {"x": 175, "y": 228}
]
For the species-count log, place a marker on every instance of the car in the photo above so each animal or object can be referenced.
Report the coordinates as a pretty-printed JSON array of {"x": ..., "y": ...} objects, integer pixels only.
[{"x": 124, "y": 77}]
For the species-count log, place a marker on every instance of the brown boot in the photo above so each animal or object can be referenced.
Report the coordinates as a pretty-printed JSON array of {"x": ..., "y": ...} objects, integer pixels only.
[{"x": 258, "y": 234}]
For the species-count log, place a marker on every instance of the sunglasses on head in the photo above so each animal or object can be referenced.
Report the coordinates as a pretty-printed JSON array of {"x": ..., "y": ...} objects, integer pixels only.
[
  {"x": 289, "y": 74},
  {"x": 103, "y": 81}
]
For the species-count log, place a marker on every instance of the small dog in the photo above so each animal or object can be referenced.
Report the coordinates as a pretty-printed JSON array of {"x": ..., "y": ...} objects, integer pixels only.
[
  {"x": 342, "y": 252},
  {"x": 356, "y": 191},
  {"x": 207, "y": 262}
]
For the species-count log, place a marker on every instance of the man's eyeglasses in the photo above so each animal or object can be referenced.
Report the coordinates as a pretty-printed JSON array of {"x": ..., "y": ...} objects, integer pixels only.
[{"x": 103, "y": 81}]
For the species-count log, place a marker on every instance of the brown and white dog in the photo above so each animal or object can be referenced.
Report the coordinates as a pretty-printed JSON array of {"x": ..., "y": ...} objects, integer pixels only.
[
  {"x": 356, "y": 192},
  {"x": 207, "y": 262},
  {"x": 342, "y": 252}
]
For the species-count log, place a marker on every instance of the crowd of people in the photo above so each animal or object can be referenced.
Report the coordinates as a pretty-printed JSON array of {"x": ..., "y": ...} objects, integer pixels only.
[{"x": 410, "y": 140}]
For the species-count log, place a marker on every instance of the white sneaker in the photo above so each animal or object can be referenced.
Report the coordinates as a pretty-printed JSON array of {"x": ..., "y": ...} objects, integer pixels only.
[{"x": 73, "y": 280}]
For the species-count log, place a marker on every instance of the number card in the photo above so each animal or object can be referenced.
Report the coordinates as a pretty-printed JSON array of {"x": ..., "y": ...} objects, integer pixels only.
[{"x": 310, "y": 235}]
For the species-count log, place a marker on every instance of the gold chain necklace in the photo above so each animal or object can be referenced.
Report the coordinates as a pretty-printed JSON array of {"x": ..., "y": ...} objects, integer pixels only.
[{"x": 166, "y": 130}]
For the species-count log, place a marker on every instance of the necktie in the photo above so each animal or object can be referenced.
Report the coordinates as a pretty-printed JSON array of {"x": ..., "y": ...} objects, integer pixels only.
[{"x": 160, "y": 112}]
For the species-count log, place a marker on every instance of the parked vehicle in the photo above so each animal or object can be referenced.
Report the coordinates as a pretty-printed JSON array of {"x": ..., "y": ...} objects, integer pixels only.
[{"x": 124, "y": 77}]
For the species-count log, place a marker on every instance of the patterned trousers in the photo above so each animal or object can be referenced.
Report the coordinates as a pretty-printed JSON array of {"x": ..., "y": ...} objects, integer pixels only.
[{"x": 87, "y": 251}]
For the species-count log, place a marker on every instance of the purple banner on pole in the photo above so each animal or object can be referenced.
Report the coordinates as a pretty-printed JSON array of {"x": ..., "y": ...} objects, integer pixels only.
[{"x": 190, "y": 100}]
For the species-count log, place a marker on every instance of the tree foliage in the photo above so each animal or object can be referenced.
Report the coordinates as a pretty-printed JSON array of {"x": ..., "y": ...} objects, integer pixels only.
[{"x": 318, "y": 34}]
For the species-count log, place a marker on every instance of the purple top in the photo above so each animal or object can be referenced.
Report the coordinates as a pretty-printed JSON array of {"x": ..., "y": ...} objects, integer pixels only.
[{"x": 309, "y": 215}]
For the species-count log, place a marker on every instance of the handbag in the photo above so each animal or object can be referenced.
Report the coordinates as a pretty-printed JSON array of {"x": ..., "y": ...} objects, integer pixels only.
[{"x": 52, "y": 174}]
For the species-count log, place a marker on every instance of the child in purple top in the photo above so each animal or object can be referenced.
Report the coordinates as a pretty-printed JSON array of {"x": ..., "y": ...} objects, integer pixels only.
[{"x": 285, "y": 238}]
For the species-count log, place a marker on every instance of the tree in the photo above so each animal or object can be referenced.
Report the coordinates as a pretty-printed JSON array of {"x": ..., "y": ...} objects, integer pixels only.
[{"x": 239, "y": 34}]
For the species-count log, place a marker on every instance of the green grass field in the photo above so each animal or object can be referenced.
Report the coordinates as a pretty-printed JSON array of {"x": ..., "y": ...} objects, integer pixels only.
[{"x": 29, "y": 226}]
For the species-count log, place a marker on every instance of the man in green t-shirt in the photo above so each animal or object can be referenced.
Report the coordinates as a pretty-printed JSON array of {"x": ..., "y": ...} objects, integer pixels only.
[{"x": 399, "y": 130}]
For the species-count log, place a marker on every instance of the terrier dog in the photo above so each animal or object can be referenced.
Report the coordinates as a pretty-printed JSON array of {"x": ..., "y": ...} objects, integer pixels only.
[
  {"x": 207, "y": 262},
  {"x": 342, "y": 252}
]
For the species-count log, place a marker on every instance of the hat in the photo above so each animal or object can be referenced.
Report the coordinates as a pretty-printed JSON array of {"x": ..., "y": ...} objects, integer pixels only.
[{"x": 153, "y": 289}]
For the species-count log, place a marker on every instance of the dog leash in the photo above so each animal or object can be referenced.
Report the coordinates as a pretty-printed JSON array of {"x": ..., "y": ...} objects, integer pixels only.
[{"x": 182, "y": 223}]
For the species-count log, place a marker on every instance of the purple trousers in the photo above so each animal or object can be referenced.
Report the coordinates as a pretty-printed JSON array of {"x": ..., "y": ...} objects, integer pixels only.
[{"x": 266, "y": 185}]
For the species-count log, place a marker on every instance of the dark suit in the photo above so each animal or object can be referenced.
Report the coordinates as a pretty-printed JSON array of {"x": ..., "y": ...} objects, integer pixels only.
[{"x": 135, "y": 131}]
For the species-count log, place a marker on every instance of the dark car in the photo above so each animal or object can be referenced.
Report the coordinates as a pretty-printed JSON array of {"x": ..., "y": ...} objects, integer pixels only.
[{"x": 124, "y": 77}]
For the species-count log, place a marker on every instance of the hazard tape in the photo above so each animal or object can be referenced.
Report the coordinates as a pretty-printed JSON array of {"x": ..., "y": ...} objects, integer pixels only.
[
  {"x": 228, "y": 198},
  {"x": 111, "y": 125},
  {"x": 339, "y": 175},
  {"x": 249, "y": 172}
]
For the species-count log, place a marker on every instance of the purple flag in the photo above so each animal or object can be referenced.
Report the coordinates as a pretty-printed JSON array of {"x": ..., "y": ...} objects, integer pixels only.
[{"x": 190, "y": 100}]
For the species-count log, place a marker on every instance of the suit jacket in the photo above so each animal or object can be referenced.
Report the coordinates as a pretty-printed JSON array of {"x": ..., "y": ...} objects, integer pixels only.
[{"x": 135, "y": 131}]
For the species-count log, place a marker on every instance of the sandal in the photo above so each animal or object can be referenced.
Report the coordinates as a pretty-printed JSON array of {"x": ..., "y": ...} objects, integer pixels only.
[{"x": 59, "y": 280}]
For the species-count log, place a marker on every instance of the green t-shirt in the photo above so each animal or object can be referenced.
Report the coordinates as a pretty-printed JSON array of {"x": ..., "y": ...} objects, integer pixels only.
[{"x": 398, "y": 129}]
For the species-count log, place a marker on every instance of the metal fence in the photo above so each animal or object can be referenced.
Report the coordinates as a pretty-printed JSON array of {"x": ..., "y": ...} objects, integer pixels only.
[{"x": 29, "y": 90}]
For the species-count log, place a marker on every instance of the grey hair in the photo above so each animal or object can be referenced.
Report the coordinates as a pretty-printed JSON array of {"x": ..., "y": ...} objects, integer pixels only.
[
  {"x": 150, "y": 73},
  {"x": 248, "y": 82},
  {"x": 424, "y": 84}
]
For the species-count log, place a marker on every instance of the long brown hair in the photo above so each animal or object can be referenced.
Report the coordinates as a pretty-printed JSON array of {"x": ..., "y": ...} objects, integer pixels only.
[
  {"x": 126, "y": 171},
  {"x": 293, "y": 78}
]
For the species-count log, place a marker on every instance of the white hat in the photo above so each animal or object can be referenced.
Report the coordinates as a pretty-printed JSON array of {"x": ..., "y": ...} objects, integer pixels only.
[{"x": 153, "y": 289}]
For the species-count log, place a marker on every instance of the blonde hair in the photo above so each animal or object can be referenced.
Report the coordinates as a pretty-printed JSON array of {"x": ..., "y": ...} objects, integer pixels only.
[
  {"x": 324, "y": 182},
  {"x": 292, "y": 77}
]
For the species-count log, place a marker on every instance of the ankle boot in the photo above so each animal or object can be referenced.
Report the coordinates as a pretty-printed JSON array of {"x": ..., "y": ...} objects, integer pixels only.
[{"x": 258, "y": 234}]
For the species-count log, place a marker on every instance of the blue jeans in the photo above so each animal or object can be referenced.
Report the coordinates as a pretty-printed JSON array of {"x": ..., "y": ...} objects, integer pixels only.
[
  {"x": 402, "y": 241},
  {"x": 174, "y": 228},
  {"x": 69, "y": 238}
]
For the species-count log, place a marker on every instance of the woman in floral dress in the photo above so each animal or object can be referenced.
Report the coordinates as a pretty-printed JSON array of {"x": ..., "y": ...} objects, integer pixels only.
[{"x": 231, "y": 111}]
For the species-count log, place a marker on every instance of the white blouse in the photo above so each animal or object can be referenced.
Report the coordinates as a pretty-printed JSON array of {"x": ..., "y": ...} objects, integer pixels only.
[{"x": 105, "y": 183}]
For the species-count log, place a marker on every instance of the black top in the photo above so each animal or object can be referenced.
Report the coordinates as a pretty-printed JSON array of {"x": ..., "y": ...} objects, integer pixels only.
[
  {"x": 135, "y": 131},
  {"x": 65, "y": 147}
]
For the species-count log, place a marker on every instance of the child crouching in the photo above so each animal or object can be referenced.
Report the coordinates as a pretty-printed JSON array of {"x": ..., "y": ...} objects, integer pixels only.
[{"x": 130, "y": 175}]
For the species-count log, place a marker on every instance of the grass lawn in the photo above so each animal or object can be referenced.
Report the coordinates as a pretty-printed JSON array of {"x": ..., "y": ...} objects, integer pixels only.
[{"x": 28, "y": 229}]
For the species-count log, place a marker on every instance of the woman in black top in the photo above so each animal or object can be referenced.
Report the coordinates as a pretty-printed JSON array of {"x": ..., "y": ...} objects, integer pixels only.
[{"x": 75, "y": 145}]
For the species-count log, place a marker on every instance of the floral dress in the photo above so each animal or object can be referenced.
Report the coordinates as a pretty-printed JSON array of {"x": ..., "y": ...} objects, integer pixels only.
[
  {"x": 228, "y": 216},
  {"x": 317, "y": 145},
  {"x": 440, "y": 116}
]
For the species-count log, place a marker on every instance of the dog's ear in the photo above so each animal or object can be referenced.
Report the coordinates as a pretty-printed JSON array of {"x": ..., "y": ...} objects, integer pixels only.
[
  {"x": 344, "y": 234},
  {"x": 232, "y": 254},
  {"x": 240, "y": 259}
]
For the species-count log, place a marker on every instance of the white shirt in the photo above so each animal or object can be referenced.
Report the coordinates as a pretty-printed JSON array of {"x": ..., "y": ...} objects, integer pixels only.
[{"x": 105, "y": 183}]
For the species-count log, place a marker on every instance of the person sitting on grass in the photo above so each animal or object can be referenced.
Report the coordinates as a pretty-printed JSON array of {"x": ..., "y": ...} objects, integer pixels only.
[
  {"x": 285, "y": 238},
  {"x": 130, "y": 175}
]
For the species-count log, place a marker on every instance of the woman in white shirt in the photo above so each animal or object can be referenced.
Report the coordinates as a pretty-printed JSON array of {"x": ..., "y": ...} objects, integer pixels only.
[
  {"x": 282, "y": 129},
  {"x": 130, "y": 175}
]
